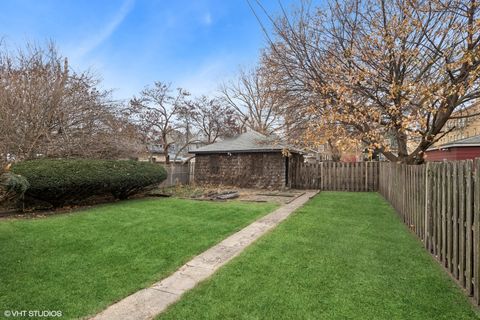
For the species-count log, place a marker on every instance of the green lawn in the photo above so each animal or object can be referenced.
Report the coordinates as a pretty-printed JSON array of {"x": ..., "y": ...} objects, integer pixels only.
[
  {"x": 341, "y": 256},
  {"x": 80, "y": 263}
]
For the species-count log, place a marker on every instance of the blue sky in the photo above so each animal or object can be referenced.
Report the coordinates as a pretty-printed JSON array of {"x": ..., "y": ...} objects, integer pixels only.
[{"x": 194, "y": 44}]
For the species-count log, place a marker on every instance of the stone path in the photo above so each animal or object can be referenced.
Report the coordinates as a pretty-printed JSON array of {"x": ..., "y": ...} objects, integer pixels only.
[{"x": 149, "y": 302}]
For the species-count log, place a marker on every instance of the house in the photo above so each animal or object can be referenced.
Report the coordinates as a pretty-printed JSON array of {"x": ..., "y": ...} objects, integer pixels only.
[
  {"x": 464, "y": 123},
  {"x": 462, "y": 149},
  {"x": 250, "y": 160},
  {"x": 321, "y": 153},
  {"x": 353, "y": 154},
  {"x": 155, "y": 153},
  {"x": 350, "y": 151}
]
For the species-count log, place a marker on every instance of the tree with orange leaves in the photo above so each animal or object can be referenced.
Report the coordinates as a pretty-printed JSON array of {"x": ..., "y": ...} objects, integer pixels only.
[{"x": 377, "y": 69}]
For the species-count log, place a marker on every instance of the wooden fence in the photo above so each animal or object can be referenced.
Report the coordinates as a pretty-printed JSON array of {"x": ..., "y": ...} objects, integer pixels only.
[
  {"x": 440, "y": 203},
  {"x": 404, "y": 187},
  {"x": 177, "y": 173},
  {"x": 335, "y": 176}
]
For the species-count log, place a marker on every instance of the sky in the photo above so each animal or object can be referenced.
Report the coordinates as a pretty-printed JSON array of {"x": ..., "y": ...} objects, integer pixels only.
[{"x": 194, "y": 44}]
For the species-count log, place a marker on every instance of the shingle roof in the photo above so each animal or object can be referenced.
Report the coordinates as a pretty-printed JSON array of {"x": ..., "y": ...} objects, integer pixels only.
[
  {"x": 466, "y": 142},
  {"x": 250, "y": 141}
]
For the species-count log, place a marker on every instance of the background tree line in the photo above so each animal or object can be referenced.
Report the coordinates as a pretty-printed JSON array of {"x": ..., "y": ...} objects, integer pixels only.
[
  {"x": 369, "y": 72},
  {"x": 49, "y": 110}
]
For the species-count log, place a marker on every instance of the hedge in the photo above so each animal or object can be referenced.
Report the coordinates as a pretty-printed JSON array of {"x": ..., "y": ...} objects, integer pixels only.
[
  {"x": 59, "y": 182},
  {"x": 12, "y": 186}
]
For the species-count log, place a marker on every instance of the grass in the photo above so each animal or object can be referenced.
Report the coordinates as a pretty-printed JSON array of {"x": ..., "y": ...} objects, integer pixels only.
[
  {"x": 80, "y": 263},
  {"x": 341, "y": 256}
]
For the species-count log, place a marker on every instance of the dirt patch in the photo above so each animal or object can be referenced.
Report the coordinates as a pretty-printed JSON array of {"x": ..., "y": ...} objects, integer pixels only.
[
  {"x": 283, "y": 197},
  {"x": 221, "y": 193}
]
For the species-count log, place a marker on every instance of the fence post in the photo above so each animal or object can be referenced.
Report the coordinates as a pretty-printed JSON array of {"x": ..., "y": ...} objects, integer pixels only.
[
  {"x": 428, "y": 204},
  {"x": 469, "y": 249},
  {"x": 461, "y": 223},
  {"x": 366, "y": 176},
  {"x": 322, "y": 177},
  {"x": 444, "y": 214},
  {"x": 455, "y": 220},
  {"x": 476, "y": 231},
  {"x": 191, "y": 172}
]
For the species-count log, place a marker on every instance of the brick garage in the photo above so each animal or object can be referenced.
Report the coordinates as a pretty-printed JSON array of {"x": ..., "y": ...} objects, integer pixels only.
[{"x": 249, "y": 160}]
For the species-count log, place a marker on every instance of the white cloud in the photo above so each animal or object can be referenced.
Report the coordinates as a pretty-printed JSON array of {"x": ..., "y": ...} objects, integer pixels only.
[
  {"x": 207, "y": 19},
  {"x": 89, "y": 44}
]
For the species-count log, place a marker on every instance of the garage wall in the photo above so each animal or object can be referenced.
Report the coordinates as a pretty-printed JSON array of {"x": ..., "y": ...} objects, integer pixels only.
[{"x": 249, "y": 170}]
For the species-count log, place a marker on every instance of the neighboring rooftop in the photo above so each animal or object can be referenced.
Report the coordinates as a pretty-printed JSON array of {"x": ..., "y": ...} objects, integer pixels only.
[
  {"x": 250, "y": 141},
  {"x": 466, "y": 142}
]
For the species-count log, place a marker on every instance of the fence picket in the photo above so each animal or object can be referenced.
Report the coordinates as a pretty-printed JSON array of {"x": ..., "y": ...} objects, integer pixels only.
[
  {"x": 449, "y": 216},
  {"x": 469, "y": 248},
  {"x": 476, "y": 232},
  {"x": 428, "y": 208},
  {"x": 444, "y": 214},
  {"x": 461, "y": 224},
  {"x": 455, "y": 219}
]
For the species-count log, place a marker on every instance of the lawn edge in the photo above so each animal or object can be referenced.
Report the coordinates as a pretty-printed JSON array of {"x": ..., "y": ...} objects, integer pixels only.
[{"x": 470, "y": 299}]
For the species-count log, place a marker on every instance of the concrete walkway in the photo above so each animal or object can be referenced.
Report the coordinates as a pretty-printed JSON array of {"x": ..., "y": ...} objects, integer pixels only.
[{"x": 149, "y": 302}]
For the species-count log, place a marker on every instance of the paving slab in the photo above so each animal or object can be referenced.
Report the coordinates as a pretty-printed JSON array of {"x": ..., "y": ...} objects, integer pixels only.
[
  {"x": 149, "y": 302},
  {"x": 143, "y": 304},
  {"x": 183, "y": 279}
]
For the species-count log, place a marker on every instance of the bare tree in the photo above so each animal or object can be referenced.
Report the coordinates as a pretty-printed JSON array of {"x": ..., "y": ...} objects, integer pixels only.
[
  {"x": 253, "y": 96},
  {"x": 380, "y": 68},
  {"x": 213, "y": 119},
  {"x": 156, "y": 113},
  {"x": 46, "y": 110}
]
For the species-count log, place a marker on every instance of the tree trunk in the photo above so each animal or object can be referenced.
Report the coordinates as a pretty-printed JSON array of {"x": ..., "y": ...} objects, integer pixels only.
[
  {"x": 336, "y": 154},
  {"x": 166, "y": 155},
  {"x": 166, "y": 147}
]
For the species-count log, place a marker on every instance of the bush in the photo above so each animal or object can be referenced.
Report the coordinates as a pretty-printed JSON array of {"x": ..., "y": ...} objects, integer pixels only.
[
  {"x": 59, "y": 182},
  {"x": 12, "y": 186}
]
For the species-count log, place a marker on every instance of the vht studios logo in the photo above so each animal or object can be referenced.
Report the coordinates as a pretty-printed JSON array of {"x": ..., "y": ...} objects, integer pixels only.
[{"x": 33, "y": 313}]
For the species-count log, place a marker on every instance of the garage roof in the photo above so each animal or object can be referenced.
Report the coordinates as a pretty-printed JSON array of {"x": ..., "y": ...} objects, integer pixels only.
[
  {"x": 250, "y": 141},
  {"x": 466, "y": 142}
]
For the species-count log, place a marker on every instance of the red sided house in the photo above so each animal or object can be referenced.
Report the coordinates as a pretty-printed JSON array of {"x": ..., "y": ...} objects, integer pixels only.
[{"x": 463, "y": 149}]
